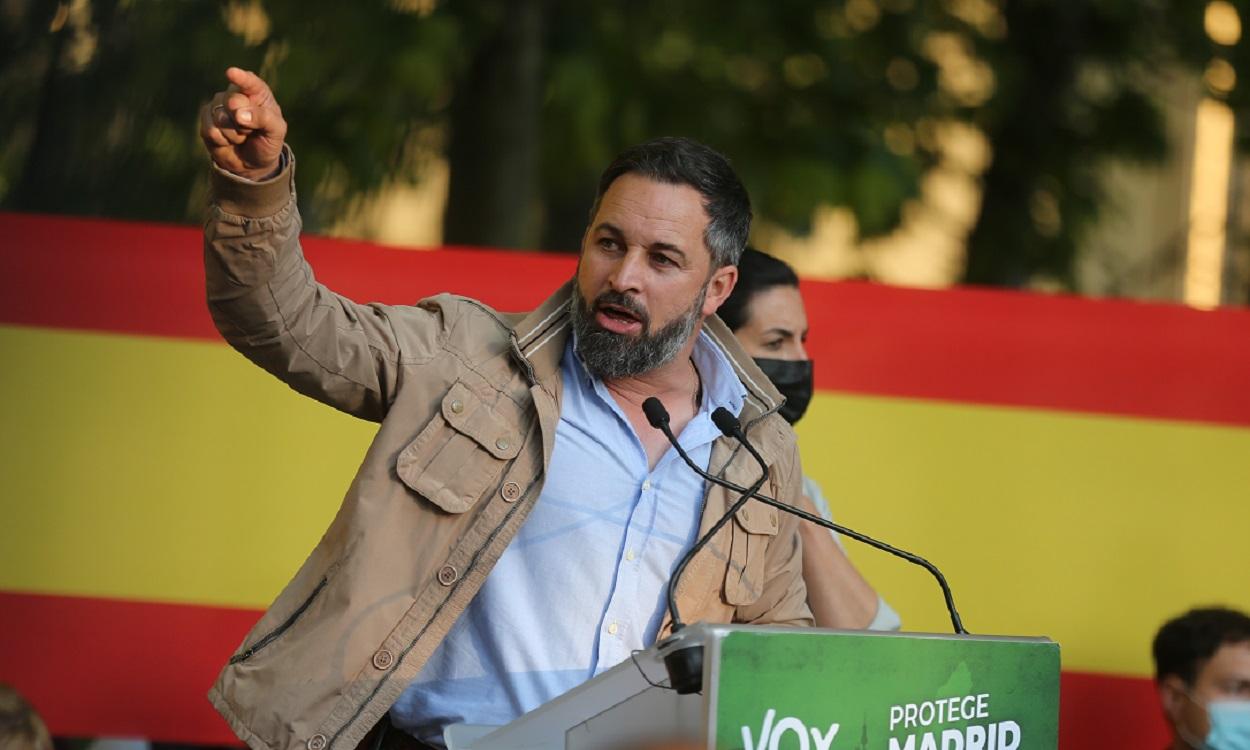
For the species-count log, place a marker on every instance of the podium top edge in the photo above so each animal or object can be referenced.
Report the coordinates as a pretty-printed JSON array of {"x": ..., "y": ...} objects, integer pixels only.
[{"x": 714, "y": 631}]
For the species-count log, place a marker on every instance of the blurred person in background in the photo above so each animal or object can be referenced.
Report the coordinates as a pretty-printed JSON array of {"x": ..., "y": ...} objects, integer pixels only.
[
  {"x": 20, "y": 727},
  {"x": 765, "y": 311},
  {"x": 1202, "y": 671}
]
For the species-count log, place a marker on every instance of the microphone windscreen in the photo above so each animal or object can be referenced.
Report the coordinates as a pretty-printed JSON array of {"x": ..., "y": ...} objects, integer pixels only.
[
  {"x": 726, "y": 422},
  {"x": 657, "y": 415}
]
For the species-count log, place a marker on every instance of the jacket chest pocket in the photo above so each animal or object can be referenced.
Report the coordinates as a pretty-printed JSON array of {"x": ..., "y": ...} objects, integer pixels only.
[
  {"x": 461, "y": 453},
  {"x": 753, "y": 529}
]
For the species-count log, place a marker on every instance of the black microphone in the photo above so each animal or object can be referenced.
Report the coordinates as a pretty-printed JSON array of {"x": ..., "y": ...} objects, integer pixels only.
[
  {"x": 685, "y": 664},
  {"x": 657, "y": 415},
  {"x": 728, "y": 425}
]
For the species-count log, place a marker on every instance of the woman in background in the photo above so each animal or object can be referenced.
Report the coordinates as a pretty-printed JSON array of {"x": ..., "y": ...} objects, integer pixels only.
[{"x": 767, "y": 315}]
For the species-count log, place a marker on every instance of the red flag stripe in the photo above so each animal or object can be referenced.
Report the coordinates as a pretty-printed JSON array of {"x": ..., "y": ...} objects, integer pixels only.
[
  {"x": 971, "y": 345},
  {"x": 109, "y": 668}
]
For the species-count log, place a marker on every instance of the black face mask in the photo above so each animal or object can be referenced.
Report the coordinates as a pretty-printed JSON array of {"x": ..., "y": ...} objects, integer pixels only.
[{"x": 793, "y": 377}]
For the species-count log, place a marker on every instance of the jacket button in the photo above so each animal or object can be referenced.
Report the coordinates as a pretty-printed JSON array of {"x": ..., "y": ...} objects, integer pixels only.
[
  {"x": 383, "y": 659},
  {"x": 511, "y": 491},
  {"x": 447, "y": 575},
  {"x": 317, "y": 742},
  {"x": 502, "y": 444},
  {"x": 457, "y": 407}
]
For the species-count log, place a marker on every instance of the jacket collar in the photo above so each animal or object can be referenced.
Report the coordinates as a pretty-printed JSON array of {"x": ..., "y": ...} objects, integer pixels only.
[
  {"x": 539, "y": 338},
  {"x": 762, "y": 397}
]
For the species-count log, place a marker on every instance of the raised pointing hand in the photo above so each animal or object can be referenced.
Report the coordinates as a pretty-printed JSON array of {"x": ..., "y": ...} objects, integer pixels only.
[{"x": 242, "y": 127}]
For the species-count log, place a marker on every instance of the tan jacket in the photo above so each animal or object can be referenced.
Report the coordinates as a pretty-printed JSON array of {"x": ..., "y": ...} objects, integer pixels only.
[{"x": 468, "y": 400}]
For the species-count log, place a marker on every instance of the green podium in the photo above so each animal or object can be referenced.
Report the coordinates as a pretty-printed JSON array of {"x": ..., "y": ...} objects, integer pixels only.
[{"x": 768, "y": 688}]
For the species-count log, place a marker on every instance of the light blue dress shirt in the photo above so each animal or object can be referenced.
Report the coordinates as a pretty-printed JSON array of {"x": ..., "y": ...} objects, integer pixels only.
[{"x": 583, "y": 583}]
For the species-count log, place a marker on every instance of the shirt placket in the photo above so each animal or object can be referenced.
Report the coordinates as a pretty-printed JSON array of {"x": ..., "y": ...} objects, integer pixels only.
[{"x": 619, "y": 631}]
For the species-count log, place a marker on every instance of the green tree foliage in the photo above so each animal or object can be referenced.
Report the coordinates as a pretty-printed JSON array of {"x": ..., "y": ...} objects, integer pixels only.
[
  {"x": 1077, "y": 85},
  {"x": 115, "y": 134},
  {"x": 533, "y": 97},
  {"x": 100, "y": 116},
  {"x": 796, "y": 92}
]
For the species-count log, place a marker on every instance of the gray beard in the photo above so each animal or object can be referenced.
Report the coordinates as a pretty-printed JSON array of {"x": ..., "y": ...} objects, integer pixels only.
[{"x": 608, "y": 355}]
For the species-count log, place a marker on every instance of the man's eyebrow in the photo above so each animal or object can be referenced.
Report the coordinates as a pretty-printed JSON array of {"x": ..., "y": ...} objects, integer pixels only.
[
  {"x": 668, "y": 247},
  {"x": 780, "y": 331}
]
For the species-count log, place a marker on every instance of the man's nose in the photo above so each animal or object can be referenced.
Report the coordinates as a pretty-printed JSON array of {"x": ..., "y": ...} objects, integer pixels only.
[{"x": 628, "y": 274}]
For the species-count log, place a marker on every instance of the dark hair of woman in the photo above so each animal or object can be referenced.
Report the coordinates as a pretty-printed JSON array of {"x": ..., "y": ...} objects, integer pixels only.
[{"x": 756, "y": 273}]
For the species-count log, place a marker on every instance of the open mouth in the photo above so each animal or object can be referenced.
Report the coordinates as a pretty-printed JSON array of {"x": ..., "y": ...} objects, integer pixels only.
[
  {"x": 618, "y": 319},
  {"x": 618, "y": 313}
]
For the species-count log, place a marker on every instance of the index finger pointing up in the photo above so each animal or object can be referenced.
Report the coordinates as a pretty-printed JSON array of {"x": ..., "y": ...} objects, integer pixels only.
[{"x": 248, "y": 82}]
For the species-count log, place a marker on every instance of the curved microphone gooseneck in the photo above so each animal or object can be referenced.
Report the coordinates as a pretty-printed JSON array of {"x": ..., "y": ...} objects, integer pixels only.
[
  {"x": 657, "y": 415},
  {"x": 684, "y": 663},
  {"x": 729, "y": 425}
]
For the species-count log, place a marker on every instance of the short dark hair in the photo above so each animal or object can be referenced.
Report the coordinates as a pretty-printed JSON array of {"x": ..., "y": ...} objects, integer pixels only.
[
  {"x": 682, "y": 161},
  {"x": 757, "y": 272},
  {"x": 20, "y": 726},
  {"x": 1185, "y": 643}
]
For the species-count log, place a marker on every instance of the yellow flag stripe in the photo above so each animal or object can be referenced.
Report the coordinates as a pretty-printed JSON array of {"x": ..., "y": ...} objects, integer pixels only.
[
  {"x": 173, "y": 471},
  {"x": 161, "y": 470},
  {"x": 1090, "y": 530}
]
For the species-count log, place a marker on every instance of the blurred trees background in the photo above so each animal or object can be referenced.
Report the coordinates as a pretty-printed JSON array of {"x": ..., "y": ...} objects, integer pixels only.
[{"x": 818, "y": 103}]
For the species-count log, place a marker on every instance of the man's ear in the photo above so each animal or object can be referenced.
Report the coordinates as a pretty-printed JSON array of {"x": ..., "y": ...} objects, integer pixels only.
[
  {"x": 718, "y": 288},
  {"x": 1173, "y": 692}
]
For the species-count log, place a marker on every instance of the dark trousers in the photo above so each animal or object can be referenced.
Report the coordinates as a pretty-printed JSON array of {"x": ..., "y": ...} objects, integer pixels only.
[{"x": 384, "y": 736}]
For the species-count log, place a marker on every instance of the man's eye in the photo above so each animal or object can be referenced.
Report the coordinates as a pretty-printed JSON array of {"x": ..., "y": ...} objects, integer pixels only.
[
  {"x": 773, "y": 345},
  {"x": 663, "y": 260},
  {"x": 607, "y": 243}
]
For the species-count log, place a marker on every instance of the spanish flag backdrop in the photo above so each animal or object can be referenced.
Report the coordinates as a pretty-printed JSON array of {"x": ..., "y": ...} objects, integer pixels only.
[{"x": 1079, "y": 469}]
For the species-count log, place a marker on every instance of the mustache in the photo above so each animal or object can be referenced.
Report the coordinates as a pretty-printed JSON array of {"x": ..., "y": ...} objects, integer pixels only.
[{"x": 625, "y": 302}]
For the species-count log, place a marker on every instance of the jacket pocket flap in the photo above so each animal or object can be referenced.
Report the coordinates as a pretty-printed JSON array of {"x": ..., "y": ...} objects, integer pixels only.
[
  {"x": 755, "y": 530},
  {"x": 757, "y": 518},
  {"x": 460, "y": 454},
  {"x": 466, "y": 413}
]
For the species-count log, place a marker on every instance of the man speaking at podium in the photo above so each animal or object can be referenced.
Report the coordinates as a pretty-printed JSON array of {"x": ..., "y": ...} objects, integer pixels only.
[{"x": 516, "y": 519}]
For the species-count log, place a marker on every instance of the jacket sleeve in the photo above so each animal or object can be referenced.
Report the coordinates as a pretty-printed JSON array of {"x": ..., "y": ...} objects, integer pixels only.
[
  {"x": 267, "y": 304},
  {"x": 784, "y": 599}
]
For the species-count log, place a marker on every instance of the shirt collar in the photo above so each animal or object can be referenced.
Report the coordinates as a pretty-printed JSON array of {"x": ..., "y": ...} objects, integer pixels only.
[{"x": 721, "y": 386}]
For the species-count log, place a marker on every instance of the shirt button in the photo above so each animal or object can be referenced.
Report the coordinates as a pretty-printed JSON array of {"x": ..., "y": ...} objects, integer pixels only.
[
  {"x": 511, "y": 491},
  {"x": 317, "y": 742},
  {"x": 613, "y": 628},
  {"x": 629, "y": 555},
  {"x": 383, "y": 659},
  {"x": 447, "y": 575},
  {"x": 646, "y": 485},
  {"x": 502, "y": 444},
  {"x": 457, "y": 407}
]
